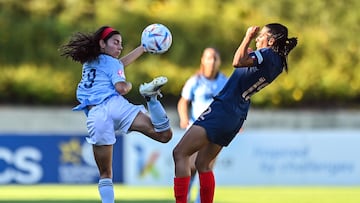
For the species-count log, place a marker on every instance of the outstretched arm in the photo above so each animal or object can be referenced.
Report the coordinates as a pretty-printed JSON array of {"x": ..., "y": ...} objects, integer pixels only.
[
  {"x": 133, "y": 55},
  {"x": 241, "y": 57}
]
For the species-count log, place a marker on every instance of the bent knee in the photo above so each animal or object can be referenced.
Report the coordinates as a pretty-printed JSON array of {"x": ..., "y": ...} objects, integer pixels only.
[
  {"x": 175, "y": 152},
  {"x": 165, "y": 136},
  {"x": 178, "y": 154}
]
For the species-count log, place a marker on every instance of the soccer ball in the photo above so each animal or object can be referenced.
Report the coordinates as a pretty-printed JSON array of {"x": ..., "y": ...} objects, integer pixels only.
[{"x": 156, "y": 38}]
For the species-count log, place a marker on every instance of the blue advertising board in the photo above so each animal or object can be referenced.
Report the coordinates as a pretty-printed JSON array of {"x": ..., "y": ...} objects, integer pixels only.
[{"x": 52, "y": 158}]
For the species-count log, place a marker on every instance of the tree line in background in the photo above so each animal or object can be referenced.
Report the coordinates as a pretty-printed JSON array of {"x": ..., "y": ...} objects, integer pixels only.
[{"x": 323, "y": 69}]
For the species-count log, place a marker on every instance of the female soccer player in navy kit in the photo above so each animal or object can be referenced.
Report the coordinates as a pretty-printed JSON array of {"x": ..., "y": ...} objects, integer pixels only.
[
  {"x": 216, "y": 127},
  {"x": 100, "y": 93}
]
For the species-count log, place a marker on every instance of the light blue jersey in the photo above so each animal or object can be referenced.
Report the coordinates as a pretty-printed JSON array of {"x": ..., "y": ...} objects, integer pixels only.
[
  {"x": 98, "y": 79},
  {"x": 200, "y": 92}
]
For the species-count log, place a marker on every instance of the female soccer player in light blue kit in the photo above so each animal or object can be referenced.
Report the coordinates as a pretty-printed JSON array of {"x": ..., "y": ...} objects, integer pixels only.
[
  {"x": 100, "y": 93},
  {"x": 200, "y": 88},
  {"x": 198, "y": 93},
  {"x": 216, "y": 127}
]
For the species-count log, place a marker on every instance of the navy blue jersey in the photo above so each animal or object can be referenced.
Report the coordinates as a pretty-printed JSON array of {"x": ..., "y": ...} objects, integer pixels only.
[
  {"x": 225, "y": 115},
  {"x": 244, "y": 82}
]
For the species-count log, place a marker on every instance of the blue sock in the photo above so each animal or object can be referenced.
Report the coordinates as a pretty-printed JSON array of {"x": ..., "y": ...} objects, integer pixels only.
[
  {"x": 106, "y": 190},
  {"x": 158, "y": 115},
  {"x": 192, "y": 179},
  {"x": 197, "y": 200}
]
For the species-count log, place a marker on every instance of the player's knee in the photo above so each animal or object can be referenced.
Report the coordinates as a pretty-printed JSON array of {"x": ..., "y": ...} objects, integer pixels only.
[
  {"x": 177, "y": 155},
  {"x": 165, "y": 136}
]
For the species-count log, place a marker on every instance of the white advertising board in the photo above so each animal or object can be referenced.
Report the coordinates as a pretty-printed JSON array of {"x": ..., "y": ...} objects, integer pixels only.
[{"x": 257, "y": 157}]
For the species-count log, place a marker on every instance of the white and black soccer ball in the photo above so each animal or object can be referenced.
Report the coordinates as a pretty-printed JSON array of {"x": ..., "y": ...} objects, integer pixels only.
[{"x": 156, "y": 38}]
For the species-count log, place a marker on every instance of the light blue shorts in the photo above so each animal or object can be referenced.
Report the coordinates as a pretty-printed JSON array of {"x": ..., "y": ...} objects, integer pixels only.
[{"x": 114, "y": 115}]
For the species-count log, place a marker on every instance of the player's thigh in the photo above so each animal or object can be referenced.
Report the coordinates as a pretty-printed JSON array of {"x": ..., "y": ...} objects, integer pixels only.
[
  {"x": 142, "y": 123},
  {"x": 194, "y": 138}
]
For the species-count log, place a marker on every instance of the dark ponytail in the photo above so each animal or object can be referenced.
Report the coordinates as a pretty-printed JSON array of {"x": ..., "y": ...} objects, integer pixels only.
[
  {"x": 282, "y": 45},
  {"x": 290, "y": 44},
  {"x": 84, "y": 47}
]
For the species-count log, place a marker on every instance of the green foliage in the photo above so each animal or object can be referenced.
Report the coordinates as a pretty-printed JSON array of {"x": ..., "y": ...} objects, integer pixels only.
[
  {"x": 323, "y": 68},
  {"x": 32, "y": 85}
]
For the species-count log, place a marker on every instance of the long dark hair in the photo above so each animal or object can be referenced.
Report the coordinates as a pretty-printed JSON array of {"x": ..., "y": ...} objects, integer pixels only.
[
  {"x": 282, "y": 45},
  {"x": 84, "y": 47}
]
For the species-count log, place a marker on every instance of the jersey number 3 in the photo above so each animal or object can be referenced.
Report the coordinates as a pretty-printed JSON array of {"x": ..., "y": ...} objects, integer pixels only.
[{"x": 90, "y": 78}]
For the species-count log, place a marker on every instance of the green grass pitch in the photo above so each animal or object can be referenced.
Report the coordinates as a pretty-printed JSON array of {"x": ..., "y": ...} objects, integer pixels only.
[{"x": 135, "y": 194}]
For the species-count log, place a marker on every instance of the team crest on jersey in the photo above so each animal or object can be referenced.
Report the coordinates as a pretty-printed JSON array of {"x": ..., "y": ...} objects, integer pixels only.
[{"x": 121, "y": 73}]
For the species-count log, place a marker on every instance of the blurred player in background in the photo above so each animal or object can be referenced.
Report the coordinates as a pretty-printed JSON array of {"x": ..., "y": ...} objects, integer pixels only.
[
  {"x": 217, "y": 126},
  {"x": 100, "y": 93},
  {"x": 198, "y": 93}
]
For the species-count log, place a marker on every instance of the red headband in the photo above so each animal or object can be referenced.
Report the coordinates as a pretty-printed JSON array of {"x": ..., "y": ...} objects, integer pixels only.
[{"x": 106, "y": 32}]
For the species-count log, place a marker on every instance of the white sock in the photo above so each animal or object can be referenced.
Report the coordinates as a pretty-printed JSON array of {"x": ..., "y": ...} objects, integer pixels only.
[{"x": 106, "y": 190}]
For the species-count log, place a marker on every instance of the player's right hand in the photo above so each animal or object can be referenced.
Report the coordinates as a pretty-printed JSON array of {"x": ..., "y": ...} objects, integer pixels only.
[
  {"x": 184, "y": 123},
  {"x": 252, "y": 31}
]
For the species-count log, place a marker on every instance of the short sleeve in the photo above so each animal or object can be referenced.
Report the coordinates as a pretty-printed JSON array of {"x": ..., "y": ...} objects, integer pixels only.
[
  {"x": 115, "y": 70},
  {"x": 188, "y": 89},
  {"x": 119, "y": 74},
  {"x": 257, "y": 57}
]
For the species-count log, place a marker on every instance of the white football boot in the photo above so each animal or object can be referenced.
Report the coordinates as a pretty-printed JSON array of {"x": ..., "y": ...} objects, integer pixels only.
[{"x": 153, "y": 88}]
